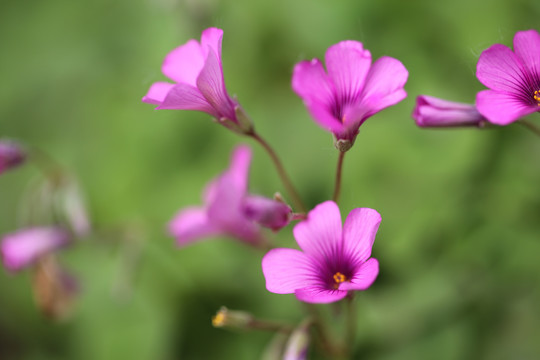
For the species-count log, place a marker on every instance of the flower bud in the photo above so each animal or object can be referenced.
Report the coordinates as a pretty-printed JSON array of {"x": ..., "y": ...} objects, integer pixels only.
[
  {"x": 269, "y": 213},
  {"x": 11, "y": 155},
  {"x": 434, "y": 112},
  {"x": 298, "y": 343},
  {"x": 232, "y": 319},
  {"x": 22, "y": 248}
]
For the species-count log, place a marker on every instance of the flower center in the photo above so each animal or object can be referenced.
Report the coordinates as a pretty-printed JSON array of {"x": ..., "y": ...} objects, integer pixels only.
[
  {"x": 536, "y": 97},
  {"x": 338, "y": 279}
]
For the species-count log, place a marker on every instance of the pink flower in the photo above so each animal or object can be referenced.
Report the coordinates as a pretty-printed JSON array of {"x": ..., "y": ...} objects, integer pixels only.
[
  {"x": 11, "y": 155},
  {"x": 197, "y": 71},
  {"x": 434, "y": 112},
  {"x": 22, "y": 248},
  {"x": 228, "y": 210},
  {"x": 512, "y": 77},
  {"x": 333, "y": 261},
  {"x": 351, "y": 90}
]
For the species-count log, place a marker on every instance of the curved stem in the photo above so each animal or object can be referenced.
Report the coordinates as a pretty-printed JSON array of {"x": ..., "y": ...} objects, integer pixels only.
[
  {"x": 337, "y": 188},
  {"x": 535, "y": 129},
  {"x": 281, "y": 172}
]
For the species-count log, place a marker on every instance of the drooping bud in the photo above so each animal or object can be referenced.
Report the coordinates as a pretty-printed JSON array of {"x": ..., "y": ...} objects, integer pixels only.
[
  {"x": 298, "y": 343},
  {"x": 269, "y": 213},
  {"x": 70, "y": 205},
  {"x": 22, "y": 248},
  {"x": 434, "y": 112},
  {"x": 11, "y": 155}
]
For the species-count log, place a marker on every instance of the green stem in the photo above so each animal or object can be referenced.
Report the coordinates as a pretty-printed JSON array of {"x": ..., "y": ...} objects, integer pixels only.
[
  {"x": 351, "y": 324},
  {"x": 535, "y": 129},
  {"x": 337, "y": 188},
  {"x": 281, "y": 172}
]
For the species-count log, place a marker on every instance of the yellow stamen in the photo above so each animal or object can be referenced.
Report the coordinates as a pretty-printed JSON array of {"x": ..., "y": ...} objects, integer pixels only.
[
  {"x": 219, "y": 319},
  {"x": 339, "y": 278},
  {"x": 536, "y": 97}
]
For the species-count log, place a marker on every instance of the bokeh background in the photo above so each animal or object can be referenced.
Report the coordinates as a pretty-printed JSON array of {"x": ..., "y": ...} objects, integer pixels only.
[{"x": 459, "y": 243}]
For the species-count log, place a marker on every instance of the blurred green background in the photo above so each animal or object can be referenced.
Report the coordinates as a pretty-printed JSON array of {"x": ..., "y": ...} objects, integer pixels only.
[{"x": 459, "y": 242}]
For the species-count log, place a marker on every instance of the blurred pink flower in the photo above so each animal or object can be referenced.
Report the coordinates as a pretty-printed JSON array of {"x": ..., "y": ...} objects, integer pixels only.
[
  {"x": 11, "y": 155},
  {"x": 333, "y": 261},
  {"x": 433, "y": 112},
  {"x": 513, "y": 79},
  {"x": 228, "y": 210},
  {"x": 197, "y": 71},
  {"x": 22, "y": 248},
  {"x": 351, "y": 90}
]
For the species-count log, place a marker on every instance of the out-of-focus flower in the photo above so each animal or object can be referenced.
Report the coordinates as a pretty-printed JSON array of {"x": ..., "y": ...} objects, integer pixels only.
[
  {"x": 54, "y": 289},
  {"x": 434, "y": 112},
  {"x": 267, "y": 212},
  {"x": 351, "y": 90},
  {"x": 11, "y": 155},
  {"x": 513, "y": 79},
  {"x": 24, "y": 247},
  {"x": 197, "y": 71},
  {"x": 333, "y": 261},
  {"x": 228, "y": 210}
]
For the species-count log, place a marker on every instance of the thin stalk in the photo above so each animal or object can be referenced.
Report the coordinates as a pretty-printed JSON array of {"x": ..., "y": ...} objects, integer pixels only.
[
  {"x": 350, "y": 337},
  {"x": 535, "y": 129},
  {"x": 325, "y": 340},
  {"x": 281, "y": 172},
  {"x": 337, "y": 188}
]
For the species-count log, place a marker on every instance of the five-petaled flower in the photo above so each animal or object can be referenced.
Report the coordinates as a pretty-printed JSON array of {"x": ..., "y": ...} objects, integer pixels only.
[
  {"x": 333, "y": 261},
  {"x": 228, "y": 209},
  {"x": 352, "y": 90},
  {"x": 434, "y": 112},
  {"x": 197, "y": 71},
  {"x": 512, "y": 77}
]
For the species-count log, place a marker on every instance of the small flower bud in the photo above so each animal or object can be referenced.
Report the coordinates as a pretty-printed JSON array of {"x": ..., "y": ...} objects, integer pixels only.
[
  {"x": 269, "y": 213},
  {"x": 232, "y": 319},
  {"x": 11, "y": 155},
  {"x": 297, "y": 346},
  {"x": 22, "y": 248},
  {"x": 434, "y": 112}
]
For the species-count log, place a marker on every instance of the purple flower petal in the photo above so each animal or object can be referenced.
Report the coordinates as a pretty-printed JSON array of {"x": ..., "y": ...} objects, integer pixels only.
[
  {"x": 184, "y": 63},
  {"x": 212, "y": 38},
  {"x": 311, "y": 83},
  {"x": 192, "y": 224},
  {"x": 434, "y": 112},
  {"x": 286, "y": 270},
  {"x": 186, "y": 97},
  {"x": 320, "y": 234},
  {"x": 527, "y": 49},
  {"x": 364, "y": 276},
  {"x": 502, "y": 108},
  {"x": 20, "y": 249},
  {"x": 499, "y": 69},
  {"x": 319, "y": 295},
  {"x": 157, "y": 92},
  {"x": 384, "y": 86},
  {"x": 211, "y": 84},
  {"x": 359, "y": 233},
  {"x": 348, "y": 64}
]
